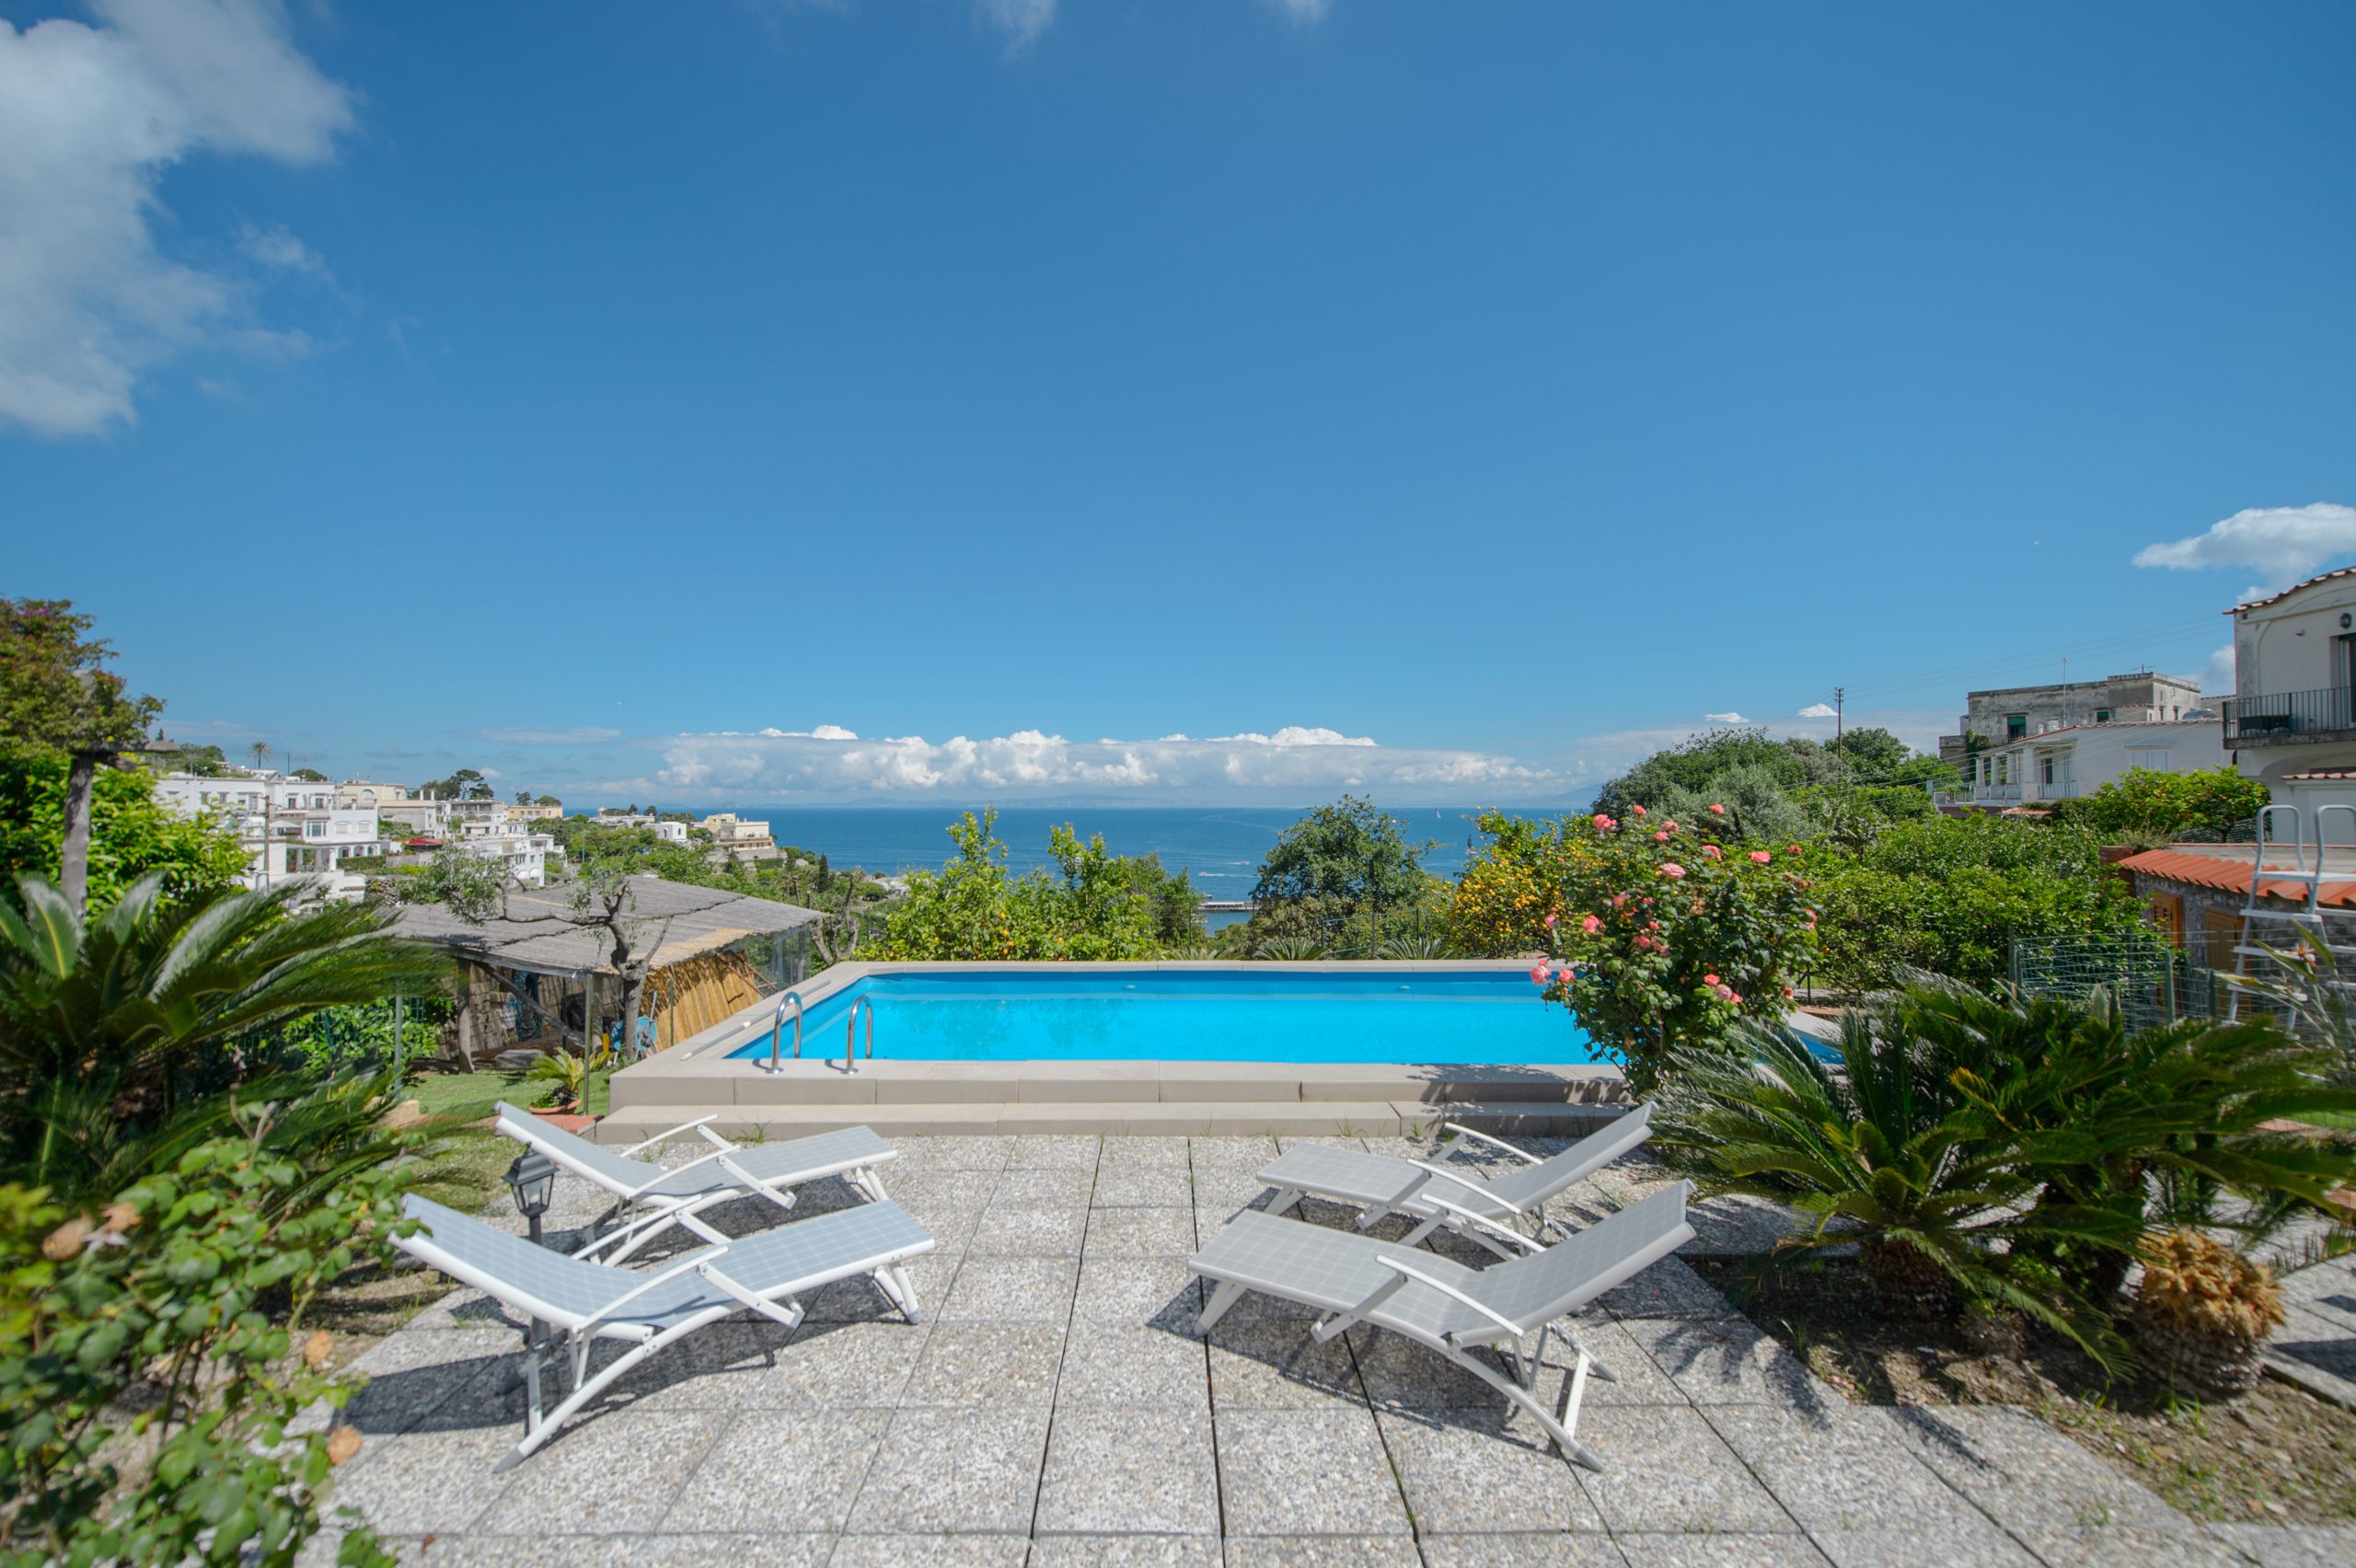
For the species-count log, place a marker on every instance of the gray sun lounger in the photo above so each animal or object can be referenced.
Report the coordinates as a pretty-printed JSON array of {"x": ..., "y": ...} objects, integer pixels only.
[
  {"x": 1502, "y": 1213},
  {"x": 648, "y": 1199},
  {"x": 764, "y": 1273},
  {"x": 1445, "y": 1305}
]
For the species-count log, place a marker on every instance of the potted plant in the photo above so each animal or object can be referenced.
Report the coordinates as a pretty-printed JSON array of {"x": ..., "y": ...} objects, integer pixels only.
[
  {"x": 567, "y": 1106},
  {"x": 2202, "y": 1313}
]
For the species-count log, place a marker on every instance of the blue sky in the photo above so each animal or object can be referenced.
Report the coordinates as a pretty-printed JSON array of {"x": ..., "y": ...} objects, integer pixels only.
[{"x": 1133, "y": 401}]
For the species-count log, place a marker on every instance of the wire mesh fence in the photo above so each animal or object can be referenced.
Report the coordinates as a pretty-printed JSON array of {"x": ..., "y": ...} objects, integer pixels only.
[{"x": 2149, "y": 980}]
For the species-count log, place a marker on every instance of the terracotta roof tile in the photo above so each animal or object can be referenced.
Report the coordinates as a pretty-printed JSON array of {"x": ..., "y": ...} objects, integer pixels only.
[{"x": 2232, "y": 876}]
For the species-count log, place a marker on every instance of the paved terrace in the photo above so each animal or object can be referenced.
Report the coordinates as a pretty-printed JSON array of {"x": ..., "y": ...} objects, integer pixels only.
[{"x": 1059, "y": 1406}]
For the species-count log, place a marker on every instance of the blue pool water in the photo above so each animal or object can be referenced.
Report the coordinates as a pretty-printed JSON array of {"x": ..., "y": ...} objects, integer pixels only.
[{"x": 1220, "y": 1015}]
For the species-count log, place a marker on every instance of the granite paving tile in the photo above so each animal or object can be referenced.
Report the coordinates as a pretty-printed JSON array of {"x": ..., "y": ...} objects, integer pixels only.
[
  {"x": 1141, "y": 1232},
  {"x": 1122, "y": 1289},
  {"x": 2024, "y": 1474},
  {"x": 1049, "y": 1187},
  {"x": 1152, "y": 1188},
  {"x": 1461, "y": 1477},
  {"x": 1667, "y": 1469},
  {"x": 2291, "y": 1546},
  {"x": 1055, "y": 1151},
  {"x": 1727, "y": 1361},
  {"x": 1276, "y": 1365},
  {"x": 1126, "y": 1552},
  {"x": 434, "y": 1395},
  {"x": 1976, "y": 1543},
  {"x": 1550, "y": 1550},
  {"x": 1321, "y": 1551},
  {"x": 945, "y": 1549},
  {"x": 781, "y": 1471},
  {"x": 1118, "y": 1470},
  {"x": 1608, "y": 1343},
  {"x": 1306, "y": 1472},
  {"x": 1010, "y": 1290},
  {"x": 2145, "y": 1546},
  {"x": 955, "y": 1471},
  {"x": 1668, "y": 1289},
  {"x": 987, "y": 1364},
  {"x": 719, "y": 1368},
  {"x": 1118, "y": 1364},
  {"x": 838, "y": 1364},
  {"x": 1400, "y": 1373},
  {"x": 931, "y": 1155},
  {"x": 1843, "y": 1469},
  {"x": 611, "y": 1474},
  {"x": 1229, "y": 1154},
  {"x": 1146, "y": 1154},
  {"x": 1732, "y": 1549},
  {"x": 545, "y": 1550},
  {"x": 1012, "y": 1232},
  {"x": 425, "y": 1482}
]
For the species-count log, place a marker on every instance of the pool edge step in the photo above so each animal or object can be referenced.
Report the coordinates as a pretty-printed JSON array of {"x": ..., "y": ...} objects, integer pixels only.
[{"x": 1302, "y": 1118}]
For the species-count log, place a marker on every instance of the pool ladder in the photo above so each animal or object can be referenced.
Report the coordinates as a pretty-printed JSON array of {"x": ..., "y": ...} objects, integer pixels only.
[
  {"x": 864, "y": 1006},
  {"x": 851, "y": 1030}
]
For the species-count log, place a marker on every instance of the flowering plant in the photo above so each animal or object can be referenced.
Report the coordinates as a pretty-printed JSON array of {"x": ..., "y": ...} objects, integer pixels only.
[{"x": 1667, "y": 934}]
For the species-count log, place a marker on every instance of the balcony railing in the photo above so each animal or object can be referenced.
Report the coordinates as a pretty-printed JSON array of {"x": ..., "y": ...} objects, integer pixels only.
[{"x": 2257, "y": 720}]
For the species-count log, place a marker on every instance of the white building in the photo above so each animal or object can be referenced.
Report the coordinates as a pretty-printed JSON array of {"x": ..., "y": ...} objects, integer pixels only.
[
  {"x": 288, "y": 827},
  {"x": 2069, "y": 761},
  {"x": 671, "y": 831},
  {"x": 739, "y": 835},
  {"x": 2292, "y": 719}
]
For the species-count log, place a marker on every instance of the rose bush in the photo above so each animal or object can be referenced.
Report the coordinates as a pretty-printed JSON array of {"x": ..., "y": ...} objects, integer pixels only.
[{"x": 1663, "y": 934}]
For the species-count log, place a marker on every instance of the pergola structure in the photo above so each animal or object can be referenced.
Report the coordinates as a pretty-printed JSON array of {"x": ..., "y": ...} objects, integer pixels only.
[{"x": 709, "y": 954}]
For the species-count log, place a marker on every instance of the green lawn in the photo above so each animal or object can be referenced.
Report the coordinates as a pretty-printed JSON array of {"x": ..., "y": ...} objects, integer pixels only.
[{"x": 466, "y": 1169}]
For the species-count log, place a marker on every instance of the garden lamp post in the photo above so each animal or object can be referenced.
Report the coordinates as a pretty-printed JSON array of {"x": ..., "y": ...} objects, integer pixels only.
[{"x": 532, "y": 1178}]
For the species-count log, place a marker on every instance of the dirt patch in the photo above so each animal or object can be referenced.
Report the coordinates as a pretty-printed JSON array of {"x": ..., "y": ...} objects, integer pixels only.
[{"x": 2279, "y": 1455}]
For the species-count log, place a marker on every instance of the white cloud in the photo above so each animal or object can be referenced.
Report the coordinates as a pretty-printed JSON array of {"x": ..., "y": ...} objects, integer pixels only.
[
  {"x": 584, "y": 735},
  {"x": 2287, "y": 543},
  {"x": 1021, "y": 20},
  {"x": 1303, "y": 10},
  {"x": 1291, "y": 764},
  {"x": 1819, "y": 710},
  {"x": 2217, "y": 680},
  {"x": 1728, "y": 716},
  {"x": 90, "y": 117},
  {"x": 279, "y": 250}
]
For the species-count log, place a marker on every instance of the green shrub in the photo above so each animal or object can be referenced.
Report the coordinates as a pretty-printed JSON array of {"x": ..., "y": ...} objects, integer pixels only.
[{"x": 182, "y": 1299}]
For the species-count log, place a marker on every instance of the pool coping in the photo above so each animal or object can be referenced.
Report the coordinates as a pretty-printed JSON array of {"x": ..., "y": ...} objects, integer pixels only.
[{"x": 696, "y": 1073}]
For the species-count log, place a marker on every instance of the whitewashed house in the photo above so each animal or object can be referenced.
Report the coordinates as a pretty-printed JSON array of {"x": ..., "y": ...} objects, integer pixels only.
[
  {"x": 2291, "y": 721},
  {"x": 2069, "y": 761}
]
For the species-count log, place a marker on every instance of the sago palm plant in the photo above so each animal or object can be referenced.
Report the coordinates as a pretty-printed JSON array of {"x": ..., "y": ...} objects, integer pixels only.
[
  {"x": 1884, "y": 1151},
  {"x": 115, "y": 1028}
]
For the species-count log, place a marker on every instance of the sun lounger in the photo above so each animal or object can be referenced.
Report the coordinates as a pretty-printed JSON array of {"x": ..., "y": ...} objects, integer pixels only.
[
  {"x": 587, "y": 1301},
  {"x": 1506, "y": 1215},
  {"x": 648, "y": 1199},
  {"x": 1445, "y": 1305}
]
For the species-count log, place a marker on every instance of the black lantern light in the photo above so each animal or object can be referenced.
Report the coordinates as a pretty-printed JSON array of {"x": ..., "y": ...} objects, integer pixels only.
[{"x": 533, "y": 1181}]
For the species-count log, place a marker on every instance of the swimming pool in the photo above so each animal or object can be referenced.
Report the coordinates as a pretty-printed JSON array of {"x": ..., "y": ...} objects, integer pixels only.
[{"x": 1247, "y": 1014}]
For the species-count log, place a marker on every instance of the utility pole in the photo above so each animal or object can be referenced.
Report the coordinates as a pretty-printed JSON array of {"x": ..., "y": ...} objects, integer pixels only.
[{"x": 1839, "y": 695}]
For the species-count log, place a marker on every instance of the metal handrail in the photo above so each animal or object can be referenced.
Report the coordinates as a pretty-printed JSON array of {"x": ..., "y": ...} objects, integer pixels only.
[
  {"x": 2327, "y": 710},
  {"x": 777, "y": 1027},
  {"x": 850, "y": 1031}
]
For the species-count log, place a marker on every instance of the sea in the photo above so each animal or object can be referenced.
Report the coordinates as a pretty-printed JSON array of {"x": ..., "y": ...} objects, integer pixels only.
[{"x": 1221, "y": 846}]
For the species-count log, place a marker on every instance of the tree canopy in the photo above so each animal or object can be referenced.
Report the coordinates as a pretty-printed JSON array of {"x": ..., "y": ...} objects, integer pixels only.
[
  {"x": 55, "y": 689},
  {"x": 1344, "y": 855}
]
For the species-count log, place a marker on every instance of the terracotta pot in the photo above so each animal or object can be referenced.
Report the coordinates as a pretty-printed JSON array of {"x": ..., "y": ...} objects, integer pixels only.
[{"x": 565, "y": 1121}]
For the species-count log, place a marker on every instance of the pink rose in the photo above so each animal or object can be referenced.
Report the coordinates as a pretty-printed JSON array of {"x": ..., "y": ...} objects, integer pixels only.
[
  {"x": 1670, "y": 825},
  {"x": 1791, "y": 848},
  {"x": 1619, "y": 900},
  {"x": 1711, "y": 850},
  {"x": 1725, "y": 994},
  {"x": 1735, "y": 996},
  {"x": 1671, "y": 869},
  {"x": 1761, "y": 856},
  {"x": 1718, "y": 810},
  {"x": 1590, "y": 925},
  {"x": 1551, "y": 919},
  {"x": 1638, "y": 809},
  {"x": 1538, "y": 975},
  {"x": 1709, "y": 979},
  {"x": 1662, "y": 837},
  {"x": 1604, "y": 824}
]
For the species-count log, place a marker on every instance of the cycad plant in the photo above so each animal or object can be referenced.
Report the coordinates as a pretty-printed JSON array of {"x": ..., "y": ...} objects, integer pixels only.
[
  {"x": 127, "y": 1028},
  {"x": 2202, "y": 1312},
  {"x": 1882, "y": 1151}
]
